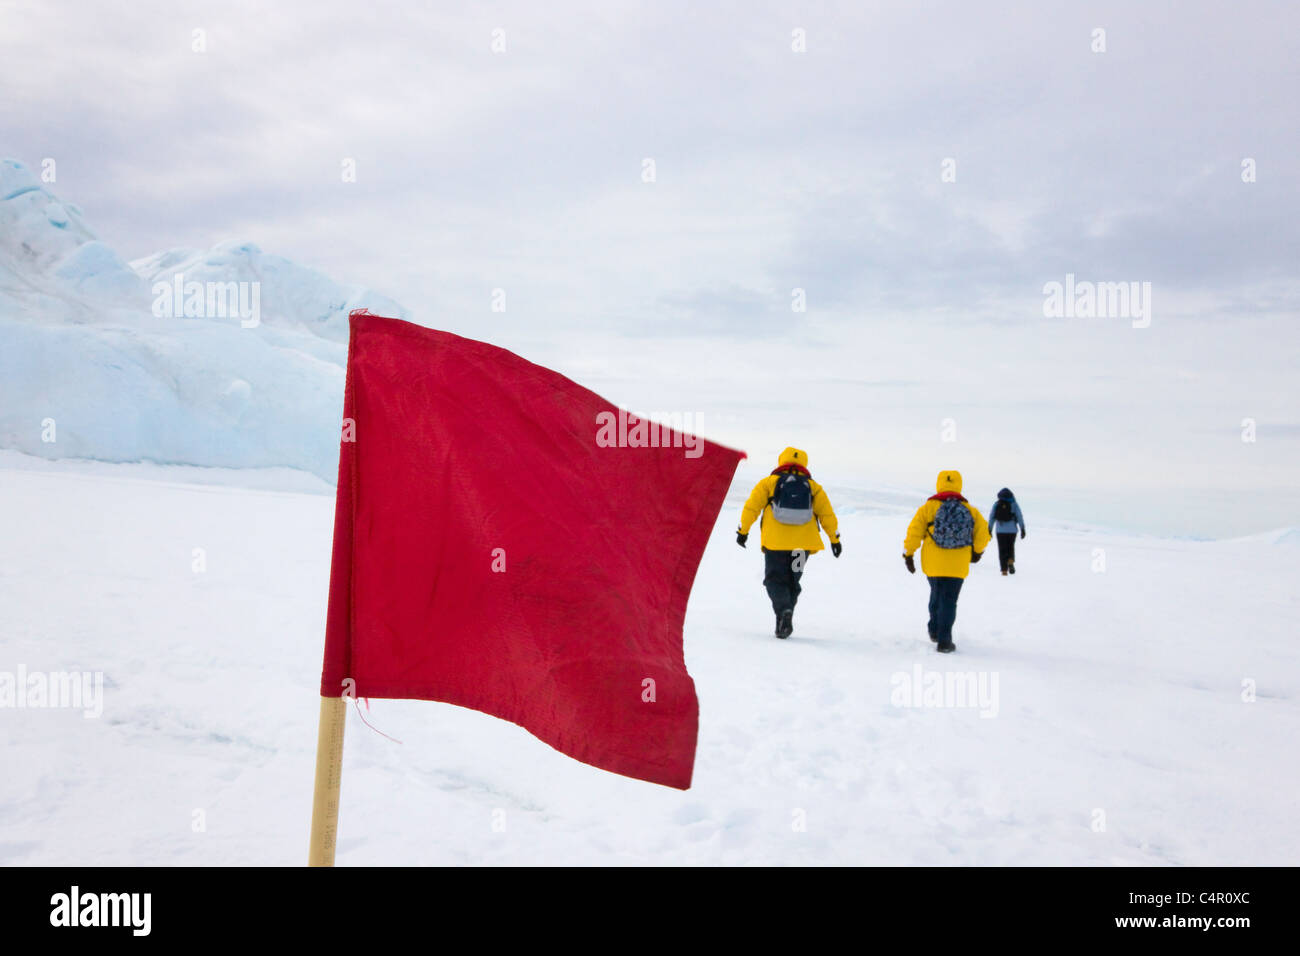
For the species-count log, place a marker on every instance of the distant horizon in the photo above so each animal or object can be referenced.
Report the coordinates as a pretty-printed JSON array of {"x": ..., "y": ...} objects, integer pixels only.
[{"x": 850, "y": 494}]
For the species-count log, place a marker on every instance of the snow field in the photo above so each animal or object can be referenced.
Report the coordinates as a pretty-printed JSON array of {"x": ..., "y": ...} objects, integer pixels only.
[{"x": 1120, "y": 733}]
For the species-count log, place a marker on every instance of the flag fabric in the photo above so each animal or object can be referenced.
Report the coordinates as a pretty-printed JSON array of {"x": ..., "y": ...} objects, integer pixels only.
[{"x": 509, "y": 541}]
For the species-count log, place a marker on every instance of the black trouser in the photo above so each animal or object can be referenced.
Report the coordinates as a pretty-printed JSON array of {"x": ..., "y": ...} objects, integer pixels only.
[
  {"x": 781, "y": 573},
  {"x": 943, "y": 607},
  {"x": 1006, "y": 548}
]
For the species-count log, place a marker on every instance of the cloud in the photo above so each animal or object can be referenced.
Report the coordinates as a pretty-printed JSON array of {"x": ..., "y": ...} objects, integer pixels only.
[{"x": 776, "y": 169}]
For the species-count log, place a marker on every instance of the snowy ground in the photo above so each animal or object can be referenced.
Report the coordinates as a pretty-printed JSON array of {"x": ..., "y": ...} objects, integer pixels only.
[{"x": 1119, "y": 700}]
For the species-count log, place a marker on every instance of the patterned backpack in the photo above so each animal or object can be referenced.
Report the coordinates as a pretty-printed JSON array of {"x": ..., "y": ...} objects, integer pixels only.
[{"x": 953, "y": 526}]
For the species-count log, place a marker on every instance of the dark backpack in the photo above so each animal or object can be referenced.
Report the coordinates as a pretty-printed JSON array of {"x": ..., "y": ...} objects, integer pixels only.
[
  {"x": 953, "y": 526},
  {"x": 791, "y": 499},
  {"x": 1002, "y": 511}
]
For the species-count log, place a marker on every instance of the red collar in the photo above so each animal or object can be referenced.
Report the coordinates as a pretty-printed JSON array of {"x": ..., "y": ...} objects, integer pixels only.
[
  {"x": 945, "y": 495},
  {"x": 792, "y": 467}
]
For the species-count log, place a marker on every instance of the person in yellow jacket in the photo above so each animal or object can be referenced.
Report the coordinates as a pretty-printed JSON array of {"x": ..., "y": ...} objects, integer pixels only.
[
  {"x": 951, "y": 533},
  {"x": 792, "y": 506}
]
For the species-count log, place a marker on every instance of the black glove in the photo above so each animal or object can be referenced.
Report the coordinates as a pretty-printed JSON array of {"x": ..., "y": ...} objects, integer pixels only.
[
  {"x": 741, "y": 538},
  {"x": 836, "y": 548},
  {"x": 1022, "y": 534},
  {"x": 975, "y": 556},
  {"x": 911, "y": 565}
]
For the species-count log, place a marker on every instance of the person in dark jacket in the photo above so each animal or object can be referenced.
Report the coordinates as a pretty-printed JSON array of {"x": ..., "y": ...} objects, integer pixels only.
[{"x": 1004, "y": 518}]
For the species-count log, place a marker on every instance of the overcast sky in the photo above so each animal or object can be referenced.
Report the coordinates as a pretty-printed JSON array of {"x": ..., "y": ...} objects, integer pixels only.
[{"x": 774, "y": 170}]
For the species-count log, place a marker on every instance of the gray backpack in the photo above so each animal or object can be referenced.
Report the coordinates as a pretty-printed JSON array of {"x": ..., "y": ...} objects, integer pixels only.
[{"x": 953, "y": 526}]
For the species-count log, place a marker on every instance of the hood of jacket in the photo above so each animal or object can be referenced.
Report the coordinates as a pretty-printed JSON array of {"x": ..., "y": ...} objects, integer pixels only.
[
  {"x": 948, "y": 481},
  {"x": 793, "y": 459}
]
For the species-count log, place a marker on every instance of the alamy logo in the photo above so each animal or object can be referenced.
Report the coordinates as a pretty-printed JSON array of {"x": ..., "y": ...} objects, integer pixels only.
[
  {"x": 946, "y": 689},
  {"x": 208, "y": 300},
  {"x": 628, "y": 431},
  {"x": 1101, "y": 300},
  {"x": 103, "y": 909},
  {"x": 71, "y": 690}
]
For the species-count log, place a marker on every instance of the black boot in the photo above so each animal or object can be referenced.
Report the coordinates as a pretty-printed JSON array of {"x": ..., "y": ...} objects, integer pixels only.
[
  {"x": 946, "y": 648},
  {"x": 785, "y": 624}
]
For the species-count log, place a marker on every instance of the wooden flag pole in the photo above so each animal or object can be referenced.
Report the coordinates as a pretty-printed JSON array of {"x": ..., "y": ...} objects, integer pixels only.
[{"x": 329, "y": 777}]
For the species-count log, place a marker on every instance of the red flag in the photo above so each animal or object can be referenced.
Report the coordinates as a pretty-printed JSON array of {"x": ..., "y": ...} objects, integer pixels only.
[{"x": 501, "y": 543}]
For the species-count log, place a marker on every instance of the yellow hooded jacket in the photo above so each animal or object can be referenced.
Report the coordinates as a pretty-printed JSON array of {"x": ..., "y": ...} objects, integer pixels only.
[
  {"x": 937, "y": 562},
  {"x": 790, "y": 537}
]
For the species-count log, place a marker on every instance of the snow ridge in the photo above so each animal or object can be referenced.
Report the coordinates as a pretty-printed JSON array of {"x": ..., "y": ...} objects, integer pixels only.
[{"x": 92, "y": 367}]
